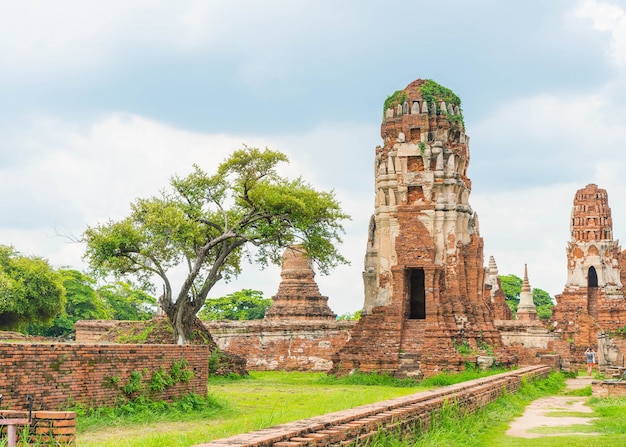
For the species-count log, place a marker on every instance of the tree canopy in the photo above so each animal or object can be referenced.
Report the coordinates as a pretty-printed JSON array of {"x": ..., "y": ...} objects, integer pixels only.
[
  {"x": 84, "y": 301},
  {"x": 207, "y": 223},
  {"x": 127, "y": 301},
  {"x": 81, "y": 303},
  {"x": 511, "y": 286},
  {"x": 245, "y": 304},
  {"x": 30, "y": 290}
]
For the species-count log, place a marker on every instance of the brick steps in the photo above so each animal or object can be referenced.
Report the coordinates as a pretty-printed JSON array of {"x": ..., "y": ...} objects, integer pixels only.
[
  {"x": 401, "y": 414},
  {"x": 411, "y": 348}
]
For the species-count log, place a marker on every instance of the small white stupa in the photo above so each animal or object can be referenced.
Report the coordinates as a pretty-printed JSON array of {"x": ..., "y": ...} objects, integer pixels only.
[{"x": 526, "y": 309}]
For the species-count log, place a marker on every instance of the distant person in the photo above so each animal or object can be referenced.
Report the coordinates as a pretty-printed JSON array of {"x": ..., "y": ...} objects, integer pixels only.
[{"x": 590, "y": 356}]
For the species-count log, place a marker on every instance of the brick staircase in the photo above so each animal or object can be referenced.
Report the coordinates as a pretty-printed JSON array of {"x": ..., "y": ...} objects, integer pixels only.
[
  {"x": 592, "y": 306},
  {"x": 411, "y": 348}
]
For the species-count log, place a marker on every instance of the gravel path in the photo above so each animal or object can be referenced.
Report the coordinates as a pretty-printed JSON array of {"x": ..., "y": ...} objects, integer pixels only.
[{"x": 544, "y": 413}]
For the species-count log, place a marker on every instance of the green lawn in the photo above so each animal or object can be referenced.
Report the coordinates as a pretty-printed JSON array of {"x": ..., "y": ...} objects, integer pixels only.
[
  {"x": 263, "y": 400},
  {"x": 270, "y": 398}
]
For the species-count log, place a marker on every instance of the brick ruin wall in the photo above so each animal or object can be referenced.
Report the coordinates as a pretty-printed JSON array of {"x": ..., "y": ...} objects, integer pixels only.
[
  {"x": 403, "y": 414},
  {"x": 608, "y": 388},
  {"x": 310, "y": 346},
  {"x": 283, "y": 345},
  {"x": 295, "y": 345},
  {"x": 45, "y": 427},
  {"x": 528, "y": 341},
  {"x": 61, "y": 374}
]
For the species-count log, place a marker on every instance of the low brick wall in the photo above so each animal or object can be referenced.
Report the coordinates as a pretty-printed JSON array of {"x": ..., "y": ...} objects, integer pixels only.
[
  {"x": 531, "y": 335},
  {"x": 287, "y": 345},
  {"x": 60, "y": 374},
  {"x": 400, "y": 414},
  {"x": 45, "y": 428},
  {"x": 608, "y": 388}
]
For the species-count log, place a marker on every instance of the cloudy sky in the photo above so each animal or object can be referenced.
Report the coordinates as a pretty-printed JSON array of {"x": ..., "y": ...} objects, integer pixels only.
[{"x": 101, "y": 102}]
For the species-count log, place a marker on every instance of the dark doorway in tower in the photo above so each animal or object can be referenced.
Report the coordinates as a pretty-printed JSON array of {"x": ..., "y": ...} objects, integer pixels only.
[
  {"x": 592, "y": 277},
  {"x": 417, "y": 294},
  {"x": 592, "y": 292}
]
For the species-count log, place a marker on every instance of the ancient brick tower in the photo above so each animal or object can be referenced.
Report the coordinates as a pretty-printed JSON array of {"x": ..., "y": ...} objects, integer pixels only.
[
  {"x": 298, "y": 296},
  {"x": 424, "y": 278},
  {"x": 593, "y": 299}
]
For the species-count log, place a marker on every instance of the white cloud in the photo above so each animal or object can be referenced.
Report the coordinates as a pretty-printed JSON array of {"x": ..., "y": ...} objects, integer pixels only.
[
  {"x": 556, "y": 144},
  {"x": 69, "y": 37},
  {"x": 529, "y": 226},
  {"x": 607, "y": 17},
  {"x": 99, "y": 170},
  {"x": 579, "y": 120},
  {"x": 74, "y": 176}
]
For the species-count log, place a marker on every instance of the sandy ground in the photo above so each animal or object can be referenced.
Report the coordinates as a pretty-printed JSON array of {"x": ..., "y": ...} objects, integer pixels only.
[{"x": 545, "y": 413}]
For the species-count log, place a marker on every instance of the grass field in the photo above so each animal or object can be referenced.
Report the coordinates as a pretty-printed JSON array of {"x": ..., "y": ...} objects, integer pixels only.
[
  {"x": 264, "y": 399},
  {"x": 487, "y": 427},
  {"x": 270, "y": 398}
]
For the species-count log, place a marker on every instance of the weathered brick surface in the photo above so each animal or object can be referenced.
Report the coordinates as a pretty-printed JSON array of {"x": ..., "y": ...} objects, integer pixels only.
[
  {"x": 494, "y": 295},
  {"x": 59, "y": 374},
  {"x": 529, "y": 340},
  {"x": 425, "y": 282},
  {"x": 593, "y": 300},
  {"x": 290, "y": 345},
  {"x": 298, "y": 296},
  {"x": 50, "y": 427},
  {"x": 607, "y": 388},
  {"x": 401, "y": 414}
]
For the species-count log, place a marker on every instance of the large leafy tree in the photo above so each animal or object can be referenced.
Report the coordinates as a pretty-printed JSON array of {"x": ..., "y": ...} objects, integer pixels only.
[
  {"x": 81, "y": 303},
  {"x": 245, "y": 304},
  {"x": 128, "y": 302},
  {"x": 544, "y": 303},
  {"x": 511, "y": 286},
  {"x": 207, "y": 223},
  {"x": 84, "y": 301},
  {"x": 30, "y": 290}
]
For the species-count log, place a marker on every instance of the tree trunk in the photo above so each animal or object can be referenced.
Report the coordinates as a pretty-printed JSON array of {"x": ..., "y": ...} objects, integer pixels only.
[{"x": 182, "y": 316}]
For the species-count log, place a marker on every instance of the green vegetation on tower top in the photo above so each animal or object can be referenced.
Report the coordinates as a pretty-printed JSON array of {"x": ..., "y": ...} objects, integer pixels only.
[
  {"x": 397, "y": 97},
  {"x": 432, "y": 91}
]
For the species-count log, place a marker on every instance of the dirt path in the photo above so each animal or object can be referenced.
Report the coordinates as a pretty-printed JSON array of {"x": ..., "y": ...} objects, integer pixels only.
[{"x": 549, "y": 412}]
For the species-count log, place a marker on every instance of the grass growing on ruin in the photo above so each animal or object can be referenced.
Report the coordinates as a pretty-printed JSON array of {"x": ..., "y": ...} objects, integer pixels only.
[
  {"x": 471, "y": 372},
  {"x": 454, "y": 427},
  {"x": 359, "y": 378},
  {"x": 141, "y": 410}
]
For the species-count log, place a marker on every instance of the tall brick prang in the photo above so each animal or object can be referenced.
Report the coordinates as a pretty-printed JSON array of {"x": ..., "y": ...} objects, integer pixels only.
[
  {"x": 298, "y": 296},
  {"x": 424, "y": 276},
  {"x": 593, "y": 299}
]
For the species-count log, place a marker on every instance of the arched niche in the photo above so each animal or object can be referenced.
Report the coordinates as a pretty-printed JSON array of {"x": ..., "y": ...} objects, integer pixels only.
[{"x": 592, "y": 277}]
